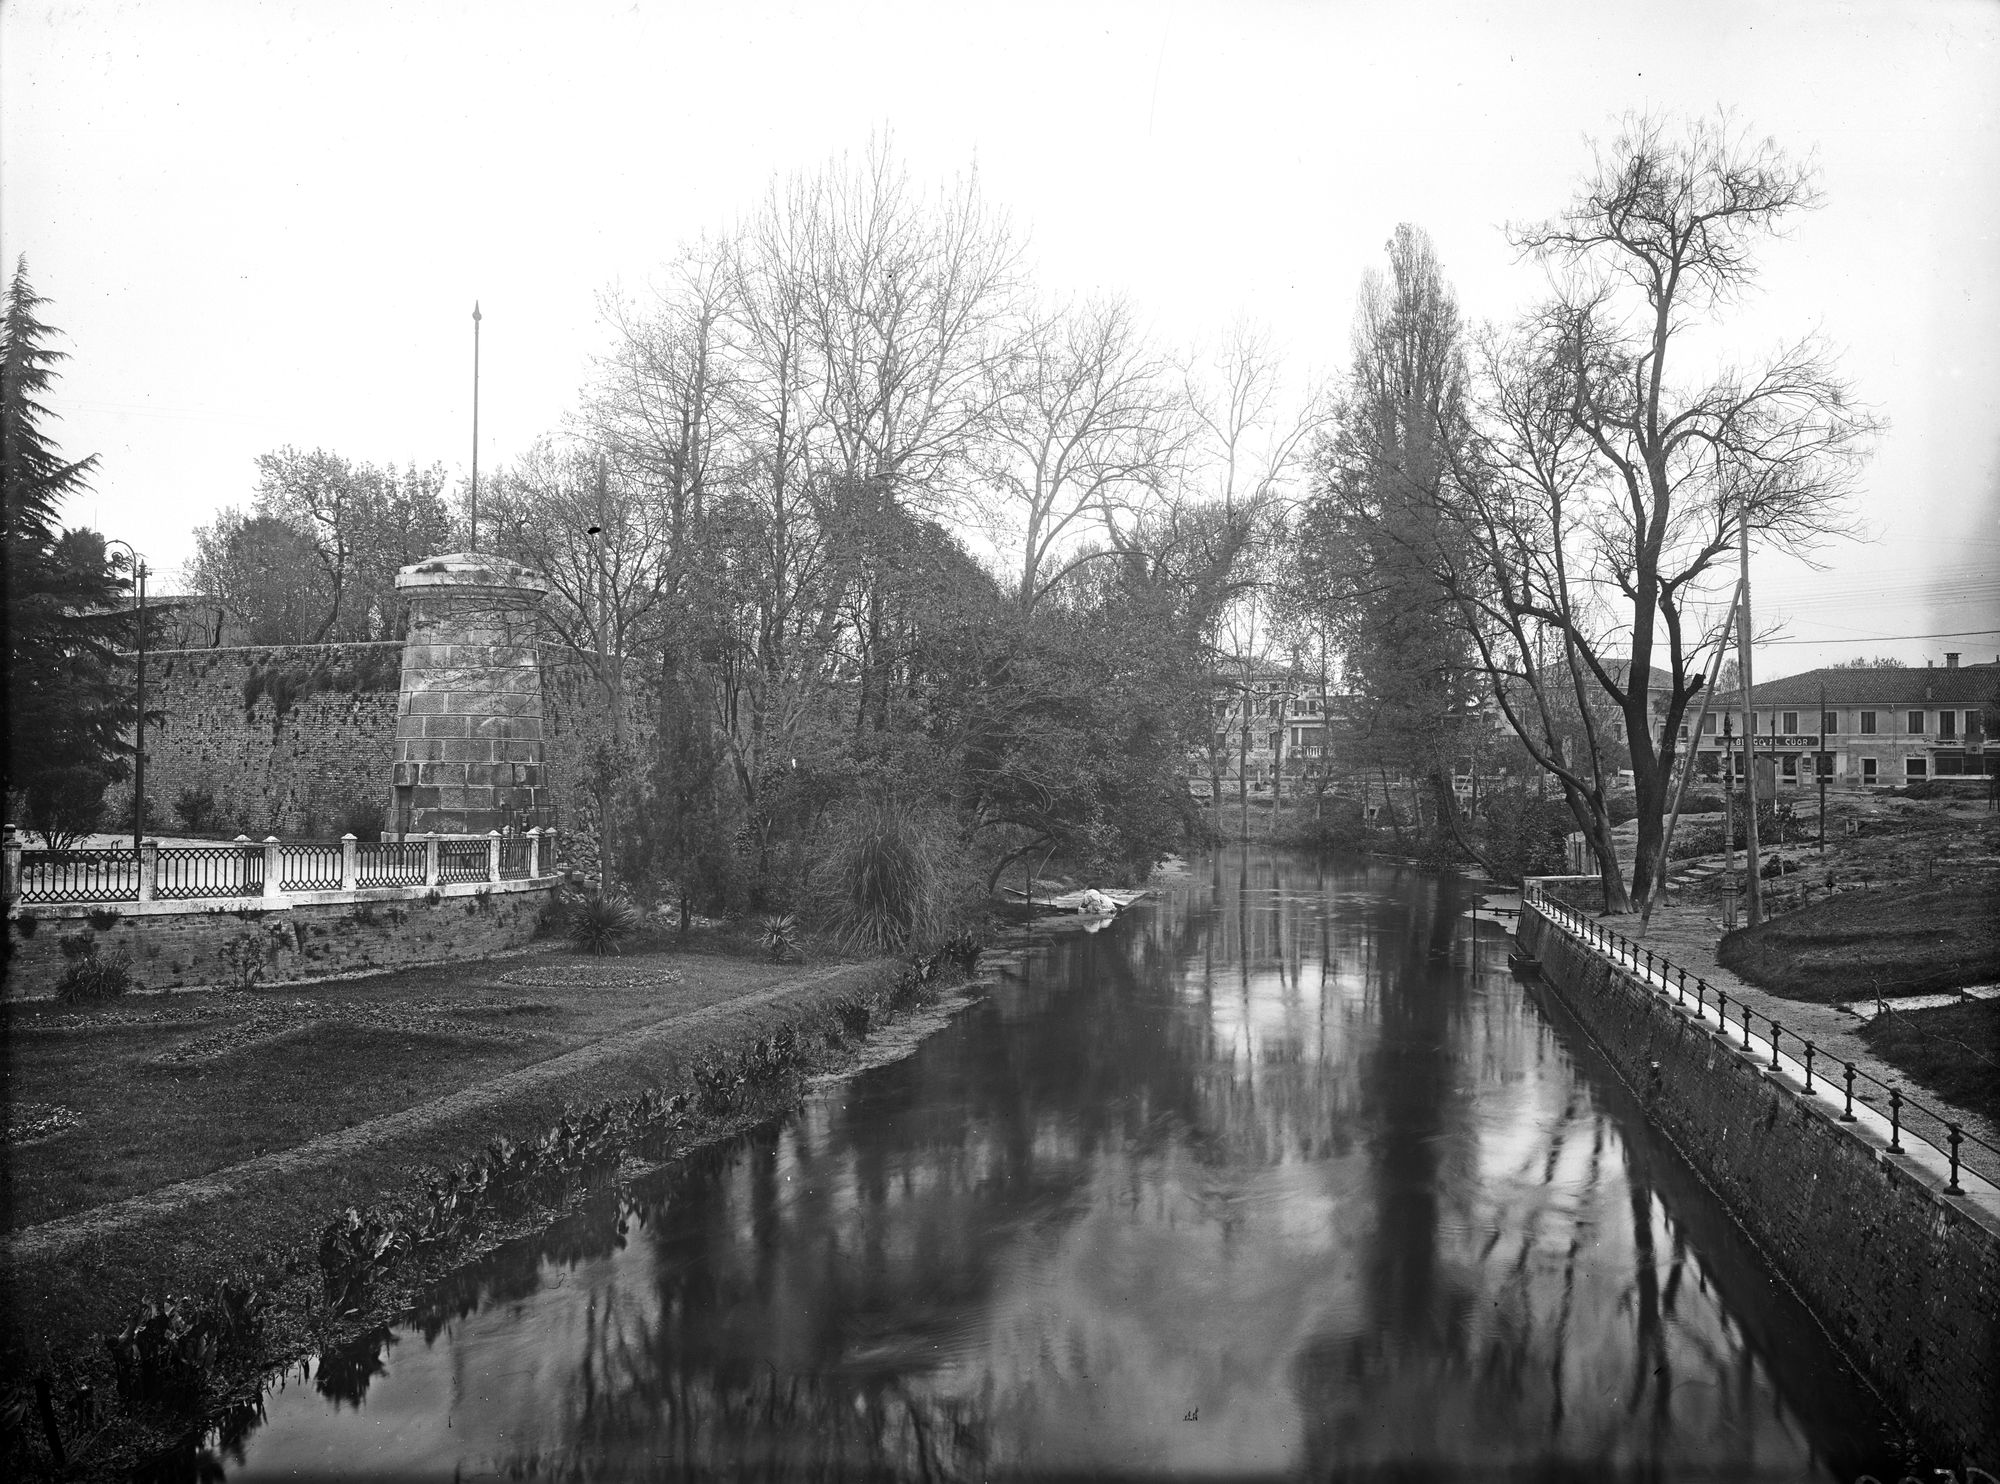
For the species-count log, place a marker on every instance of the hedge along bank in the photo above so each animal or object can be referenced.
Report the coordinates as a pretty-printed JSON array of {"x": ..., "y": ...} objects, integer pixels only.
[
  {"x": 254, "y": 930},
  {"x": 1903, "y": 1274},
  {"x": 296, "y": 1251}
]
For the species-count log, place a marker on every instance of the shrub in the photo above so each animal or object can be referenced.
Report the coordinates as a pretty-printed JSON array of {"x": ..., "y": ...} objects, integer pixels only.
[
  {"x": 196, "y": 809},
  {"x": 1621, "y": 808},
  {"x": 1699, "y": 803},
  {"x": 88, "y": 974},
  {"x": 781, "y": 939},
  {"x": 598, "y": 922}
]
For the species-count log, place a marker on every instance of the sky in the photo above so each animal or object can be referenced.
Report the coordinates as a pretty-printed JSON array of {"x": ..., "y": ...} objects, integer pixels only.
[{"x": 262, "y": 224}]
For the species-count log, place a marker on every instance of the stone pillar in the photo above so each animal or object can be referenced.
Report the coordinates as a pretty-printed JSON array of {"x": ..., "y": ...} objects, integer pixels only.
[
  {"x": 469, "y": 724},
  {"x": 10, "y": 887}
]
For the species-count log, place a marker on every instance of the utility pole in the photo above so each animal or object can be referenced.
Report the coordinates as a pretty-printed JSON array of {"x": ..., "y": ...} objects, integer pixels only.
[
  {"x": 475, "y": 425},
  {"x": 1753, "y": 896}
]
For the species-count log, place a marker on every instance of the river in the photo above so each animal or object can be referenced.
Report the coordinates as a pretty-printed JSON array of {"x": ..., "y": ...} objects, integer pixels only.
[{"x": 1281, "y": 1173}]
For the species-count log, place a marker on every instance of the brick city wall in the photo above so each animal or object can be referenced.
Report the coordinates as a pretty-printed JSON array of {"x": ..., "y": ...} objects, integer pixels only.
[
  {"x": 298, "y": 741},
  {"x": 1906, "y": 1279},
  {"x": 181, "y": 946}
]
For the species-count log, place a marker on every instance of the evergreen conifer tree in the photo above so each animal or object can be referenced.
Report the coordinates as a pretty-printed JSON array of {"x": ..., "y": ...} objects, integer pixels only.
[{"x": 67, "y": 702}]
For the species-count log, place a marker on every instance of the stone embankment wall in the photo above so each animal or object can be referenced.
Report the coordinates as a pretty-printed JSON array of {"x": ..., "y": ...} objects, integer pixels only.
[
  {"x": 246, "y": 943},
  {"x": 1905, "y": 1277}
]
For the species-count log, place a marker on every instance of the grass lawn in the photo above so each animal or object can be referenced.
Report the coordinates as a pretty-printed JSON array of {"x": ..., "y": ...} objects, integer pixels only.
[
  {"x": 1887, "y": 940},
  {"x": 160, "y": 1088},
  {"x": 1954, "y": 1049}
]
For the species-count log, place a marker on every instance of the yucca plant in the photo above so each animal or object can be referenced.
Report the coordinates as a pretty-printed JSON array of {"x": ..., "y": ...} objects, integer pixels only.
[
  {"x": 781, "y": 938},
  {"x": 598, "y": 922}
]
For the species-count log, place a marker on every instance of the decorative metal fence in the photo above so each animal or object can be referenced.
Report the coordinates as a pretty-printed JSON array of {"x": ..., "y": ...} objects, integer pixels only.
[
  {"x": 1822, "y": 1074},
  {"x": 79, "y": 875},
  {"x": 309, "y": 867},
  {"x": 391, "y": 863},
  {"x": 517, "y": 859},
  {"x": 178, "y": 873},
  {"x": 189, "y": 871},
  {"x": 461, "y": 860}
]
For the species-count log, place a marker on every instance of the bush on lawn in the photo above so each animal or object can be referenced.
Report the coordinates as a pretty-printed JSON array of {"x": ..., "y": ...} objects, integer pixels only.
[{"x": 598, "y": 923}]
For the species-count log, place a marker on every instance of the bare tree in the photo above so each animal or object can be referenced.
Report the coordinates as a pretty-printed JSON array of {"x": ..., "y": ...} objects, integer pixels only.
[
  {"x": 1083, "y": 432},
  {"x": 1658, "y": 242}
]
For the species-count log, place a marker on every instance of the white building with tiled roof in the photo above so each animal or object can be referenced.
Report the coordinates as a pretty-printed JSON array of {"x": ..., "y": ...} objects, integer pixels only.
[{"x": 1873, "y": 728}]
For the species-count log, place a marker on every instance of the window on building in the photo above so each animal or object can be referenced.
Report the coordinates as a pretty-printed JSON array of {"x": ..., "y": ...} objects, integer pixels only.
[
  {"x": 1867, "y": 766},
  {"x": 1916, "y": 724},
  {"x": 1789, "y": 766},
  {"x": 1790, "y": 726},
  {"x": 1947, "y": 723},
  {"x": 1708, "y": 724},
  {"x": 1974, "y": 731},
  {"x": 1950, "y": 764},
  {"x": 1826, "y": 765},
  {"x": 1829, "y": 722},
  {"x": 1867, "y": 723},
  {"x": 1915, "y": 767}
]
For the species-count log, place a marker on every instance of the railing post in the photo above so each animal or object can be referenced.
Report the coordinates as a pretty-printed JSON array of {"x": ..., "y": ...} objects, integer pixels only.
[
  {"x": 1776, "y": 1031},
  {"x": 534, "y": 851},
  {"x": 10, "y": 881},
  {"x": 1848, "y": 1116},
  {"x": 1746, "y": 1027},
  {"x": 548, "y": 856},
  {"x": 1896, "y": 1119},
  {"x": 430, "y": 858},
  {"x": 492, "y": 855},
  {"x": 149, "y": 868},
  {"x": 1722, "y": 1013},
  {"x": 274, "y": 868},
  {"x": 350, "y": 862},
  {"x": 1957, "y": 1135},
  {"x": 1809, "y": 1062}
]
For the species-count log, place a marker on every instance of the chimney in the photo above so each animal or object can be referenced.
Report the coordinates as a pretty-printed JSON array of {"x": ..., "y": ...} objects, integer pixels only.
[{"x": 1951, "y": 659}]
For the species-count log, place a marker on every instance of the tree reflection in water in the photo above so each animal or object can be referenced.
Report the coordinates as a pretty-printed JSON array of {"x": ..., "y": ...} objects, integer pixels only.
[{"x": 1267, "y": 1177}]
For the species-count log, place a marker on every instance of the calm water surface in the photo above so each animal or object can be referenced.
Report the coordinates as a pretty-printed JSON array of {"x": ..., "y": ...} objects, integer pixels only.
[{"x": 1280, "y": 1174}]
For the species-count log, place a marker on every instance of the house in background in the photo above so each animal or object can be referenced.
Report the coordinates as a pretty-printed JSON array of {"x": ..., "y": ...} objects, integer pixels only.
[{"x": 1879, "y": 728}]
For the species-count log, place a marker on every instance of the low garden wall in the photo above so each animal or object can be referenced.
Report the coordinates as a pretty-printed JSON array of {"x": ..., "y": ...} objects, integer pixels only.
[
  {"x": 248, "y": 914},
  {"x": 1904, "y": 1275}
]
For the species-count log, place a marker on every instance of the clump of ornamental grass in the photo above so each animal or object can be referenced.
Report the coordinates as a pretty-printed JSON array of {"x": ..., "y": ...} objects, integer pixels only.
[
  {"x": 598, "y": 923},
  {"x": 888, "y": 886},
  {"x": 90, "y": 975}
]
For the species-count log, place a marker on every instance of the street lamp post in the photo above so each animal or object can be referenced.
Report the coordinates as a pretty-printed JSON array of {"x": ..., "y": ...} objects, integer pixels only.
[{"x": 139, "y": 735}]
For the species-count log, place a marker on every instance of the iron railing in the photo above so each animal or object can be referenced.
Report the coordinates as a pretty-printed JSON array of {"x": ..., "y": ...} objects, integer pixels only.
[
  {"x": 189, "y": 871},
  {"x": 461, "y": 860},
  {"x": 309, "y": 867},
  {"x": 1821, "y": 1074},
  {"x": 390, "y": 863},
  {"x": 80, "y": 875},
  {"x": 517, "y": 858}
]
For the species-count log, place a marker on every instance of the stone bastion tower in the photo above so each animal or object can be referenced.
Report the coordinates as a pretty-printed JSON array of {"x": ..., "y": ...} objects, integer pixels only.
[{"x": 469, "y": 719}]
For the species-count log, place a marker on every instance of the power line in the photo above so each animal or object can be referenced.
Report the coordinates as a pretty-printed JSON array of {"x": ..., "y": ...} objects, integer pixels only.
[{"x": 1882, "y": 638}]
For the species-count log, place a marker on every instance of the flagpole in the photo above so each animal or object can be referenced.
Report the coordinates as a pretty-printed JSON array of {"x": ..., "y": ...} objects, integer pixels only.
[{"x": 475, "y": 425}]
